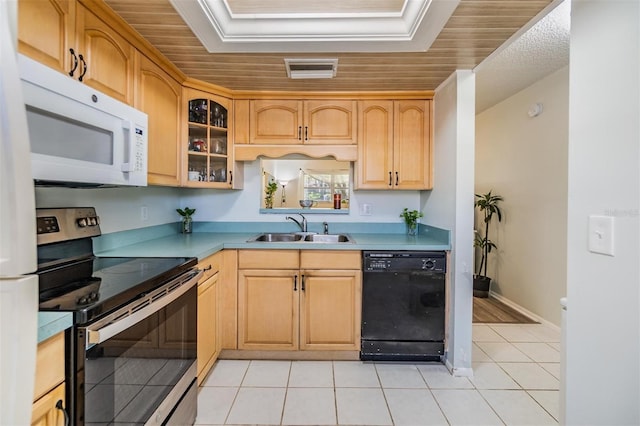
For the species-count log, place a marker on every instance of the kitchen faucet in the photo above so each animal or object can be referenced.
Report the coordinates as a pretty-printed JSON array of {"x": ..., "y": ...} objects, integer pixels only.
[{"x": 302, "y": 225}]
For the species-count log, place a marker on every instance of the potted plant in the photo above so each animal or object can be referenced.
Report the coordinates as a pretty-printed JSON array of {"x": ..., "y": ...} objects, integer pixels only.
[
  {"x": 186, "y": 224},
  {"x": 269, "y": 189},
  {"x": 411, "y": 220},
  {"x": 488, "y": 205}
]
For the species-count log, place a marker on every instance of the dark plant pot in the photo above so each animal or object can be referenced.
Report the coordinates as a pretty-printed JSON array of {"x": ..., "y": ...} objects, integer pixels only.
[{"x": 481, "y": 286}]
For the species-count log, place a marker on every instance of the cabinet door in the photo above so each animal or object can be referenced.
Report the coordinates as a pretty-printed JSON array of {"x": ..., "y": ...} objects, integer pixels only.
[
  {"x": 412, "y": 145},
  {"x": 108, "y": 57},
  {"x": 330, "y": 310},
  {"x": 44, "y": 411},
  {"x": 46, "y": 30},
  {"x": 207, "y": 325},
  {"x": 158, "y": 95},
  {"x": 275, "y": 122},
  {"x": 330, "y": 122},
  {"x": 375, "y": 145},
  {"x": 268, "y": 309},
  {"x": 206, "y": 145}
]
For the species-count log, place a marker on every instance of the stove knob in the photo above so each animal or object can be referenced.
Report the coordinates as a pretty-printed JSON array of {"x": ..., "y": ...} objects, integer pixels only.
[
  {"x": 93, "y": 221},
  {"x": 82, "y": 223}
]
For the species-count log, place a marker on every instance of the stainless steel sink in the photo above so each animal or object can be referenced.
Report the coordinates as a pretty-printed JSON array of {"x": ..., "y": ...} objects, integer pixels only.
[
  {"x": 301, "y": 237},
  {"x": 277, "y": 237},
  {"x": 329, "y": 238}
]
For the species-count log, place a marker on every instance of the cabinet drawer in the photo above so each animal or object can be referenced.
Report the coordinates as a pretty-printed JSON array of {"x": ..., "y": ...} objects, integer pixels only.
[
  {"x": 210, "y": 265},
  {"x": 268, "y": 259},
  {"x": 49, "y": 365},
  {"x": 330, "y": 259}
]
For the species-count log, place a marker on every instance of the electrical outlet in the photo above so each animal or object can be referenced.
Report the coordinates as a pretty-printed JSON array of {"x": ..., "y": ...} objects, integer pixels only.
[
  {"x": 365, "y": 209},
  {"x": 144, "y": 213}
]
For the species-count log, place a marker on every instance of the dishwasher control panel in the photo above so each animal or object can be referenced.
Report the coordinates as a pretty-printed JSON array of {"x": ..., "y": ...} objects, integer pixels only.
[{"x": 376, "y": 261}]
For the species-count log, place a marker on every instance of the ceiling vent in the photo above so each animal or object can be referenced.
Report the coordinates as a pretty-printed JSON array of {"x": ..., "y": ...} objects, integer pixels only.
[{"x": 311, "y": 68}]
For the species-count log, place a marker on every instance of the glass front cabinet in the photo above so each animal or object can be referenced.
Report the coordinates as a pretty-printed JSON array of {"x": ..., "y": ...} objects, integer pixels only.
[{"x": 207, "y": 141}]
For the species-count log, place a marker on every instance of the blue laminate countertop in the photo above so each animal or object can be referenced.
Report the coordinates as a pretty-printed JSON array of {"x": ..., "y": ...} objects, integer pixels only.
[
  {"x": 52, "y": 323},
  {"x": 209, "y": 239}
]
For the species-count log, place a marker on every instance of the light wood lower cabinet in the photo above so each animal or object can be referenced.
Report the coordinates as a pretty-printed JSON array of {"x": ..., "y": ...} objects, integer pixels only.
[
  {"x": 49, "y": 390},
  {"x": 291, "y": 300},
  {"x": 45, "y": 411},
  {"x": 208, "y": 323}
]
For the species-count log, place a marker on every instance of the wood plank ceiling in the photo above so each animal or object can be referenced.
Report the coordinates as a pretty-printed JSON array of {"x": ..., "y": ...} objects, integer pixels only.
[{"x": 474, "y": 31}]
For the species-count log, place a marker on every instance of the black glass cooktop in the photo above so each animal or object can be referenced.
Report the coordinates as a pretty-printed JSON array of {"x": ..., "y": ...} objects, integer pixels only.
[{"x": 95, "y": 286}]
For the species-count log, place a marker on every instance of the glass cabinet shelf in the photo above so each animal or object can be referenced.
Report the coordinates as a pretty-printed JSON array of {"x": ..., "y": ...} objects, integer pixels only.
[{"x": 207, "y": 150}]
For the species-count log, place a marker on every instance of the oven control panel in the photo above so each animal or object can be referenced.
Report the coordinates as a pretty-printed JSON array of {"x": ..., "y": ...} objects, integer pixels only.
[{"x": 61, "y": 224}]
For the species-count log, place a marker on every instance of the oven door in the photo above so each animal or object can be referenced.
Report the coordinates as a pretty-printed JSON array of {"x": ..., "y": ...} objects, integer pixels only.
[{"x": 138, "y": 364}]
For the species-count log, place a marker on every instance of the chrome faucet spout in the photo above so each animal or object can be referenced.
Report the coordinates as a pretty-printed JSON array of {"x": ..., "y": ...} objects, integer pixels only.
[{"x": 302, "y": 224}]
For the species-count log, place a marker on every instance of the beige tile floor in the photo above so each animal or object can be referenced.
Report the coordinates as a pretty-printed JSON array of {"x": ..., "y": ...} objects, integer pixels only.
[{"x": 516, "y": 380}]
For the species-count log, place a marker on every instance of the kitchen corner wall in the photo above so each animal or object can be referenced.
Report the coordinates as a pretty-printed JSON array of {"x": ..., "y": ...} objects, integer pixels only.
[
  {"x": 450, "y": 206},
  {"x": 524, "y": 159},
  {"x": 120, "y": 209}
]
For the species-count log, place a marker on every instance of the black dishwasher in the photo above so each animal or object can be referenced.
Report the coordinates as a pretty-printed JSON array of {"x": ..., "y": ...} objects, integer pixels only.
[{"x": 403, "y": 305}]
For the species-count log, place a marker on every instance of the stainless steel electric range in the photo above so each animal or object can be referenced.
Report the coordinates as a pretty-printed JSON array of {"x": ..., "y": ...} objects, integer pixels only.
[{"x": 131, "y": 353}]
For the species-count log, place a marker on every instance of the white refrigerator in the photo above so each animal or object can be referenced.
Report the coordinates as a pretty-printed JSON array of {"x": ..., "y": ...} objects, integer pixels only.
[{"x": 18, "y": 257}]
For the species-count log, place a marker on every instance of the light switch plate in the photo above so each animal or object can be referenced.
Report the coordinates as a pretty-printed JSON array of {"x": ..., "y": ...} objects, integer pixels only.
[
  {"x": 601, "y": 234},
  {"x": 365, "y": 209}
]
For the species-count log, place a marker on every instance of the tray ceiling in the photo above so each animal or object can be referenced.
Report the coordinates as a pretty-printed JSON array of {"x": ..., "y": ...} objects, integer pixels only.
[{"x": 474, "y": 30}]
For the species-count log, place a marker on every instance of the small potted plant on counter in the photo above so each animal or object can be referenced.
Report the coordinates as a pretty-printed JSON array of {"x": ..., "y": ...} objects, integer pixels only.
[
  {"x": 487, "y": 204},
  {"x": 411, "y": 220},
  {"x": 186, "y": 224},
  {"x": 269, "y": 190}
]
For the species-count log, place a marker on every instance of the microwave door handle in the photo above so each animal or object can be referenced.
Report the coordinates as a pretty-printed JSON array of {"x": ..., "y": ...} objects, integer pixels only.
[
  {"x": 127, "y": 125},
  {"x": 97, "y": 333}
]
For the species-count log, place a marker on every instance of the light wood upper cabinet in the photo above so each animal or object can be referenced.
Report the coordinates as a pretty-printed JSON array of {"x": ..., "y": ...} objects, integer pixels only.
[
  {"x": 159, "y": 95},
  {"x": 282, "y": 122},
  {"x": 46, "y": 28},
  {"x": 67, "y": 37},
  {"x": 299, "y": 300},
  {"x": 109, "y": 57},
  {"x": 206, "y": 146},
  {"x": 275, "y": 122},
  {"x": 394, "y": 147},
  {"x": 330, "y": 122}
]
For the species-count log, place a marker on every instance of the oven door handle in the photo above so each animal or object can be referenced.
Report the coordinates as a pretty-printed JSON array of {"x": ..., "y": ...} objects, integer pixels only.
[{"x": 135, "y": 312}]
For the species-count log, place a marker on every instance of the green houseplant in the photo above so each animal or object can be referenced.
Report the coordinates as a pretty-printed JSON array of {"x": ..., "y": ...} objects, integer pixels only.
[
  {"x": 269, "y": 189},
  {"x": 411, "y": 220},
  {"x": 186, "y": 224},
  {"x": 488, "y": 206}
]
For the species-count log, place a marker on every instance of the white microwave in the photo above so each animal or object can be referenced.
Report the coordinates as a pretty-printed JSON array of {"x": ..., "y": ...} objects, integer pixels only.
[{"x": 80, "y": 136}]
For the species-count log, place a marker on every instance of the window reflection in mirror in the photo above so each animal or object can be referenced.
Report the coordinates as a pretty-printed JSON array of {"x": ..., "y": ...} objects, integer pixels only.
[{"x": 306, "y": 179}]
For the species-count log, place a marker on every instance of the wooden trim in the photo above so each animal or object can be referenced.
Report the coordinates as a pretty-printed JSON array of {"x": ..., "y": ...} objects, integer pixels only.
[
  {"x": 192, "y": 83},
  {"x": 339, "y": 152},
  {"x": 297, "y": 95},
  {"x": 268, "y": 259},
  {"x": 291, "y": 355},
  {"x": 330, "y": 259},
  {"x": 228, "y": 303}
]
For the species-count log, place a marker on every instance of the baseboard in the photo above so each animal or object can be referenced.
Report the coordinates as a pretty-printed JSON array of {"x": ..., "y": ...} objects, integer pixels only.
[
  {"x": 522, "y": 310},
  {"x": 458, "y": 372}
]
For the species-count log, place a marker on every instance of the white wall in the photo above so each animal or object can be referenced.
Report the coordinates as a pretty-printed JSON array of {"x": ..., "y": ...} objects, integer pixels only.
[
  {"x": 118, "y": 208},
  {"x": 524, "y": 159},
  {"x": 603, "y": 292},
  {"x": 450, "y": 205},
  {"x": 243, "y": 205}
]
